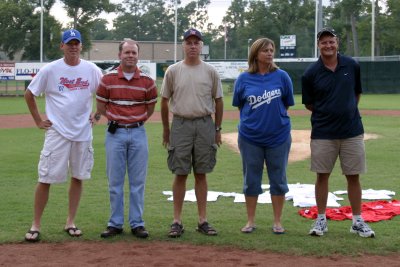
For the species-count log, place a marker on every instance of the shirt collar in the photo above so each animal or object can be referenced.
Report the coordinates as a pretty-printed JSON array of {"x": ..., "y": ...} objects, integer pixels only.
[{"x": 122, "y": 76}]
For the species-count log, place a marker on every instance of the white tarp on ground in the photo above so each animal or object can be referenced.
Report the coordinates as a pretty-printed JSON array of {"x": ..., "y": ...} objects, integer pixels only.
[{"x": 303, "y": 195}]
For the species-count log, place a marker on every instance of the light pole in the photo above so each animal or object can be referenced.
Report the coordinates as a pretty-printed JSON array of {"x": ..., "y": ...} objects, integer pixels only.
[
  {"x": 225, "y": 40},
  {"x": 373, "y": 30},
  {"x": 318, "y": 24},
  {"x": 176, "y": 29},
  {"x": 248, "y": 46},
  {"x": 41, "y": 31}
]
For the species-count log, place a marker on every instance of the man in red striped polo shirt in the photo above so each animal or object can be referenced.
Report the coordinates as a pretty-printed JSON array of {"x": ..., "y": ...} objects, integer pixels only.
[{"x": 127, "y": 97}]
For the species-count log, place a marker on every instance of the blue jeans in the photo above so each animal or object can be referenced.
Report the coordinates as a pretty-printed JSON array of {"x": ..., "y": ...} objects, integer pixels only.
[
  {"x": 275, "y": 159},
  {"x": 127, "y": 149}
]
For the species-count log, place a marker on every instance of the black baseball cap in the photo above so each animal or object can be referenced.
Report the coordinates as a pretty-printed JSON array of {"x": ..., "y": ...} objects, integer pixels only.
[{"x": 325, "y": 31}]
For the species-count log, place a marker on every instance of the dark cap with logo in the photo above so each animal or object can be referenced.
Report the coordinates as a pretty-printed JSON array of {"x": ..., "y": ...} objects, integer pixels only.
[
  {"x": 70, "y": 35},
  {"x": 326, "y": 31},
  {"x": 192, "y": 32}
]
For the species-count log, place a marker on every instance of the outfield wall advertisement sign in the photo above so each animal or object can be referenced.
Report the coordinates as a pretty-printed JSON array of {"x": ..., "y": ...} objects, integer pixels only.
[
  {"x": 7, "y": 70},
  {"x": 148, "y": 68},
  {"x": 288, "y": 46},
  {"x": 26, "y": 71},
  {"x": 229, "y": 70}
]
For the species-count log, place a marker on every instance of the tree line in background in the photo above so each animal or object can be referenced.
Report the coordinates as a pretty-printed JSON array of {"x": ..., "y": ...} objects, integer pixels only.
[{"x": 153, "y": 20}]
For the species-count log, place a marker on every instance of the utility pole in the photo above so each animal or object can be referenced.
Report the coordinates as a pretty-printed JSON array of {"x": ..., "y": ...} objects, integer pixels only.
[
  {"x": 318, "y": 23},
  {"x": 373, "y": 31},
  {"x": 41, "y": 30},
  {"x": 176, "y": 29},
  {"x": 225, "y": 40}
]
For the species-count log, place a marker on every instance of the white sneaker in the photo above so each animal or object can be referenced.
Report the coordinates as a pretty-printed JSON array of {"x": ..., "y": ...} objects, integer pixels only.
[
  {"x": 362, "y": 229},
  {"x": 319, "y": 227}
]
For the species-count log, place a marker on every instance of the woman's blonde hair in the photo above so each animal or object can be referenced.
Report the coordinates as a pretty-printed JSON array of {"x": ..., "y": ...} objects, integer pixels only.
[{"x": 258, "y": 45}]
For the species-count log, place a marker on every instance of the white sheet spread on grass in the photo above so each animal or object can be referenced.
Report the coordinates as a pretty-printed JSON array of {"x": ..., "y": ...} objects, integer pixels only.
[
  {"x": 371, "y": 194},
  {"x": 303, "y": 195}
]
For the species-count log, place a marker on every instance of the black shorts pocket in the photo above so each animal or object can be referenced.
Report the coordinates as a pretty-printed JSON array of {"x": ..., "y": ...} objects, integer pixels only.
[
  {"x": 213, "y": 156},
  {"x": 171, "y": 159}
]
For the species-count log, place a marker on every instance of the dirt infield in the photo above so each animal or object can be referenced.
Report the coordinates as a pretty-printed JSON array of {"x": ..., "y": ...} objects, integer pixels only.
[
  {"x": 25, "y": 120},
  {"x": 152, "y": 253},
  {"x": 166, "y": 254}
]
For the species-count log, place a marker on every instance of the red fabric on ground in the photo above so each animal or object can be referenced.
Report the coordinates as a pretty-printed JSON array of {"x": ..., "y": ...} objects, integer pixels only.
[{"x": 371, "y": 211}]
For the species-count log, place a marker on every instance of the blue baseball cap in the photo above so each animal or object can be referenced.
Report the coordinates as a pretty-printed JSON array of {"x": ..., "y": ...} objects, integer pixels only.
[
  {"x": 192, "y": 32},
  {"x": 71, "y": 34}
]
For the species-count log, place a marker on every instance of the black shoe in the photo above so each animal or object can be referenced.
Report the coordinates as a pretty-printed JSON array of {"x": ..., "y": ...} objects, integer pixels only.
[
  {"x": 140, "y": 232},
  {"x": 111, "y": 231}
]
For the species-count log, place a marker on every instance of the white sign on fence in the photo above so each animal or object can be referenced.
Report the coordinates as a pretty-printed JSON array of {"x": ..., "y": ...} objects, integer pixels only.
[
  {"x": 229, "y": 70},
  {"x": 26, "y": 71},
  {"x": 148, "y": 68},
  {"x": 7, "y": 70}
]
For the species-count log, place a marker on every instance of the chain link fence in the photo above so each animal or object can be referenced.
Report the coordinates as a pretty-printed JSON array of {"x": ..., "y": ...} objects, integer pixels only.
[{"x": 13, "y": 87}]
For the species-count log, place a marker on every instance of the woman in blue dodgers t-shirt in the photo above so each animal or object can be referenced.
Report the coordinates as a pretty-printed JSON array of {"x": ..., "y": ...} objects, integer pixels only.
[{"x": 263, "y": 95}]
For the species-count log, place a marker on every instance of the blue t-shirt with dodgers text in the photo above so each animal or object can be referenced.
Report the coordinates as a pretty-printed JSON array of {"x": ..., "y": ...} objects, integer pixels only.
[{"x": 263, "y": 100}]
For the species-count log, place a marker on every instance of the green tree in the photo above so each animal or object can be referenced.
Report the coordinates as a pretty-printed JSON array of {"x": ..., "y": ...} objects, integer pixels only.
[
  {"x": 84, "y": 14},
  {"x": 51, "y": 38},
  {"x": 193, "y": 15},
  {"x": 387, "y": 29},
  {"x": 99, "y": 30},
  {"x": 20, "y": 27},
  {"x": 271, "y": 18},
  {"x": 237, "y": 37},
  {"x": 14, "y": 25},
  {"x": 144, "y": 21},
  {"x": 153, "y": 20},
  {"x": 292, "y": 17},
  {"x": 345, "y": 16}
]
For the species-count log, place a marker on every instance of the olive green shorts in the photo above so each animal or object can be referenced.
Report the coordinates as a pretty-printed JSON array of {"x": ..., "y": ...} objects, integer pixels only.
[{"x": 192, "y": 145}]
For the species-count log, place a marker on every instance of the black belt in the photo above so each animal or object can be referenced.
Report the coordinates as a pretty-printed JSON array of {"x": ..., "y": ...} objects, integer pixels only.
[{"x": 132, "y": 125}]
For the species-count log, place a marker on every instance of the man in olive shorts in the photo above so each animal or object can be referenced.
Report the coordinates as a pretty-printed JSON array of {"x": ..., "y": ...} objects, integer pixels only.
[{"x": 192, "y": 91}]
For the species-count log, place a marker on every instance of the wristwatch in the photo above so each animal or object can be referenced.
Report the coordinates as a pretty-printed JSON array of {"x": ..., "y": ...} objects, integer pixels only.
[
  {"x": 97, "y": 116},
  {"x": 218, "y": 128}
]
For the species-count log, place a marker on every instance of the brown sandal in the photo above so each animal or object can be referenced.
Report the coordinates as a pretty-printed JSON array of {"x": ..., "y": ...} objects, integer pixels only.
[{"x": 206, "y": 228}]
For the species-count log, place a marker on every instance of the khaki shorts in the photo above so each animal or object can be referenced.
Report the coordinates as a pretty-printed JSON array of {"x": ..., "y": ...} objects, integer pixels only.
[
  {"x": 192, "y": 144},
  {"x": 351, "y": 152},
  {"x": 60, "y": 155}
]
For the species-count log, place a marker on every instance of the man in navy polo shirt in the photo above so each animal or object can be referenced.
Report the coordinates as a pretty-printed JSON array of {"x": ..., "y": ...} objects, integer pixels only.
[{"x": 331, "y": 90}]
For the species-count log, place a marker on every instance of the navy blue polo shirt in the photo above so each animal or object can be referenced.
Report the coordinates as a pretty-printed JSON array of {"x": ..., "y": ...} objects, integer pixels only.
[{"x": 333, "y": 94}]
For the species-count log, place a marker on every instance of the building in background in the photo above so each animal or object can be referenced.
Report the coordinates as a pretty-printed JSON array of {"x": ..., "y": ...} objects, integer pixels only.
[{"x": 154, "y": 51}]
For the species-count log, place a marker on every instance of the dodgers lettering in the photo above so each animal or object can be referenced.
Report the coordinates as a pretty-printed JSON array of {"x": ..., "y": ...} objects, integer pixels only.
[{"x": 266, "y": 97}]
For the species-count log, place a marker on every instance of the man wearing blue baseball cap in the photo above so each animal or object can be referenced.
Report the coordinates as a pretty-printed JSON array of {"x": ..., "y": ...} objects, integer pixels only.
[
  {"x": 70, "y": 35},
  {"x": 68, "y": 84}
]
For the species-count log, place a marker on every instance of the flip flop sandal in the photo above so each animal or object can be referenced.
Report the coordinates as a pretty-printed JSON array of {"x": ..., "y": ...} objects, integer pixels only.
[
  {"x": 176, "y": 230},
  {"x": 71, "y": 231},
  {"x": 32, "y": 238},
  {"x": 206, "y": 228},
  {"x": 278, "y": 230},
  {"x": 248, "y": 229}
]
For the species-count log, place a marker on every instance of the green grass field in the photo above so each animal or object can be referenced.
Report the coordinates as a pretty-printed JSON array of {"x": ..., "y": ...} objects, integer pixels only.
[
  {"x": 20, "y": 152},
  {"x": 16, "y": 105}
]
